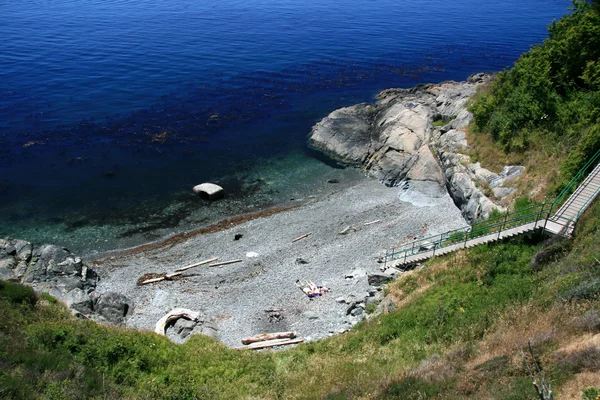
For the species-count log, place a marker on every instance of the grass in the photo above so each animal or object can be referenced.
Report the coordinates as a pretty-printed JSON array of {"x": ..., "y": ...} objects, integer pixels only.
[
  {"x": 455, "y": 334},
  {"x": 540, "y": 163},
  {"x": 439, "y": 122}
]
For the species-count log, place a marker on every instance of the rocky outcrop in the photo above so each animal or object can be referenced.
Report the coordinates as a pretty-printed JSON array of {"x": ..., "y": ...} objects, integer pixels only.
[
  {"x": 469, "y": 184},
  {"x": 57, "y": 271},
  {"x": 393, "y": 141}
]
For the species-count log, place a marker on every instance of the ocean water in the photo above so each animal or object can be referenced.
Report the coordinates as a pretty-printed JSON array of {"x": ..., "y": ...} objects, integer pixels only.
[{"x": 111, "y": 110}]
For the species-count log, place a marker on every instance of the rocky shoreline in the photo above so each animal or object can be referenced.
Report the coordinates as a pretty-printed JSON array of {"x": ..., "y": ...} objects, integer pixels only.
[
  {"x": 394, "y": 140},
  {"x": 429, "y": 186},
  {"x": 55, "y": 270}
]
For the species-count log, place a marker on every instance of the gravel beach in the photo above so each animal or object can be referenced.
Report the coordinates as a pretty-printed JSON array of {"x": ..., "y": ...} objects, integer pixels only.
[{"x": 235, "y": 296}]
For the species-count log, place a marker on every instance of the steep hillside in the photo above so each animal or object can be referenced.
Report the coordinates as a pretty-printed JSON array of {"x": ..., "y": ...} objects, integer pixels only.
[{"x": 547, "y": 107}]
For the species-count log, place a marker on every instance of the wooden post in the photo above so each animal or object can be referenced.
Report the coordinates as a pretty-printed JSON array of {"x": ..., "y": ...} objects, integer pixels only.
[
  {"x": 385, "y": 260},
  {"x": 502, "y": 226}
]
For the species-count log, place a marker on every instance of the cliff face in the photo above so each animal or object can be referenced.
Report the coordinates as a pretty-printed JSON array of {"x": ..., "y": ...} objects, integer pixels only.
[{"x": 393, "y": 141}]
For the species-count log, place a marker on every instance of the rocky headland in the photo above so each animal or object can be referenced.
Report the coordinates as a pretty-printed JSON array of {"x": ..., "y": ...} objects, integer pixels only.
[
  {"x": 394, "y": 140},
  {"x": 429, "y": 186}
]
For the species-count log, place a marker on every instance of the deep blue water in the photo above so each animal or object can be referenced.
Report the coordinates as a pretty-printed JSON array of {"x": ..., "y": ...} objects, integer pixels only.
[{"x": 110, "y": 111}]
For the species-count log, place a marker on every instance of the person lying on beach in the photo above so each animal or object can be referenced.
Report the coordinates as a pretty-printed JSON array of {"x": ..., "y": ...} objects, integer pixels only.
[{"x": 311, "y": 289}]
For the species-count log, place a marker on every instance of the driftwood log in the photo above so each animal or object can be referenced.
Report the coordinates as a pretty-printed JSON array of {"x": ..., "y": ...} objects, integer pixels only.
[
  {"x": 224, "y": 263},
  {"x": 269, "y": 336},
  {"x": 162, "y": 278},
  {"x": 197, "y": 264},
  {"x": 174, "y": 315},
  {"x": 271, "y": 343},
  {"x": 301, "y": 237}
]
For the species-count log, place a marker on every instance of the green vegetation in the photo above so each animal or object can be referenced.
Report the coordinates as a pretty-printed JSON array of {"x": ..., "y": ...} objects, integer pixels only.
[
  {"x": 550, "y": 99},
  {"x": 591, "y": 394},
  {"x": 460, "y": 322},
  {"x": 439, "y": 122},
  {"x": 454, "y": 336}
]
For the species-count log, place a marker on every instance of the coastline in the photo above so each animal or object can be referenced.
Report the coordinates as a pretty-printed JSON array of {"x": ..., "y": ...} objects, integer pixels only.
[
  {"x": 329, "y": 228},
  {"x": 235, "y": 297}
]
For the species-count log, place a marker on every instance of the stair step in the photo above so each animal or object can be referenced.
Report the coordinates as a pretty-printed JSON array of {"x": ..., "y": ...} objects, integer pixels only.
[{"x": 579, "y": 200}]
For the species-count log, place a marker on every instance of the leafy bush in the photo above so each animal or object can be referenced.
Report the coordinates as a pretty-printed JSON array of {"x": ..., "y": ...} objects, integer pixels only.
[
  {"x": 552, "y": 93},
  {"x": 590, "y": 393},
  {"x": 16, "y": 293}
]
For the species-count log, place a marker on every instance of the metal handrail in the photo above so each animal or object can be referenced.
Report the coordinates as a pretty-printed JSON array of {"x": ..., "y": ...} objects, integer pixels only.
[
  {"x": 534, "y": 213},
  {"x": 497, "y": 225},
  {"x": 574, "y": 181},
  {"x": 587, "y": 203}
]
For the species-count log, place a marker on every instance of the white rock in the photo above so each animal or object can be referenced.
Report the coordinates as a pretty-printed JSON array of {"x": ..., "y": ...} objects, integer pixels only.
[{"x": 209, "y": 191}]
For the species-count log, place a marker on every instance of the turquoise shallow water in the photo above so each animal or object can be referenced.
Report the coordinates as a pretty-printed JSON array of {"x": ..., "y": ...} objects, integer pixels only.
[
  {"x": 288, "y": 180},
  {"x": 110, "y": 111}
]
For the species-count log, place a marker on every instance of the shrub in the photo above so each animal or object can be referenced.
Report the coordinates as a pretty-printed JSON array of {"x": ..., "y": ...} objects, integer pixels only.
[
  {"x": 18, "y": 294},
  {"x": 552, "y": 93},
  {"x": 590, "y": 393}
]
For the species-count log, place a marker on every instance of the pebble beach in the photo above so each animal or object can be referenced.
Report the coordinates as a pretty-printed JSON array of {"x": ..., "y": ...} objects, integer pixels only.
[{"x": 259, "y": 294}]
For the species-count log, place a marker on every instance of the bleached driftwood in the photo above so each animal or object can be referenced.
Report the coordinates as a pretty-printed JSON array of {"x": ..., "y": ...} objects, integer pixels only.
[
  {"x": 174, "y": 315},
  {"x": 162, "y": 278},
  {"x": 269, "y": 336},
  {"x": 271, "y": 343},
  {"x": 224, "y": 263},
  {"x": 301, "y": 237},
  {"x": 197, "y": 264},
  {"x": 372, "y": 222},
  {"x": 347, "y": 229}
]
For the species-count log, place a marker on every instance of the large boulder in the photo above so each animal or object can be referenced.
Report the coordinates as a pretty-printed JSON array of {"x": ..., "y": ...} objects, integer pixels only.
[
  {"x": 209, "y": 191},
  {"x": 14, "y": 255},
  {"x": 79, "y": 301},
  {"x": 391, "y": 140},
  {"x": 345, "y": 134},
  {"x": 113, "y": 307},
  {"x": 57, "y": 271},
  {"x": 6, "y": 268},
  {"x": 207, "y": 328}
]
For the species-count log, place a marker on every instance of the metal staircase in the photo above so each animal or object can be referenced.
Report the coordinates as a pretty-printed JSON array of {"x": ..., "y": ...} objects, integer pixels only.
[{"x": 536, "y": 217}]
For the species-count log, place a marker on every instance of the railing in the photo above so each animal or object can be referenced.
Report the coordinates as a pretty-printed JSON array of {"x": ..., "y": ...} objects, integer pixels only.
[
  {"x": 534, "y": 213},
  {"x": 577, "y": 179},
  {"x": 587, "y": 203}
]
